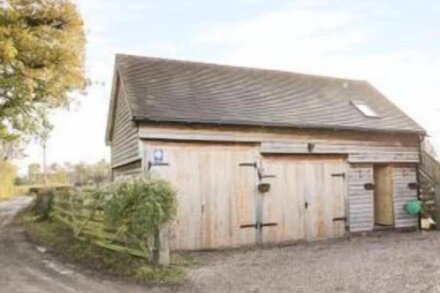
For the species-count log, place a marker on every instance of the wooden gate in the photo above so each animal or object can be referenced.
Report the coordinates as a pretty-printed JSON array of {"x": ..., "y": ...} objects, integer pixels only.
[
  {"x": 216, "y": 195},
  {"x": 306, "y": 199}
]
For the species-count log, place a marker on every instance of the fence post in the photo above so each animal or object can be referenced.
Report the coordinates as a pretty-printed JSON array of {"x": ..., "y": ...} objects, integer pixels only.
[
  {"x": 164, "y": 249},
  {"x": 161, "y": 251},
  {"x": 437, "y": 206}
]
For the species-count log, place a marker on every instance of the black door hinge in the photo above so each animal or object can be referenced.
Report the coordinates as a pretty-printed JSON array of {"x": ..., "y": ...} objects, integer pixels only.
[
  {"x": 254, "y": 165},
  {"x": 258, "y": 225},
  {"x": 152, "y": 164},
  {"x": 338, "y": 175}
]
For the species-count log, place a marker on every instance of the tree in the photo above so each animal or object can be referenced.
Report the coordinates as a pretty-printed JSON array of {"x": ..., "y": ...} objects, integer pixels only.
[
  {"x": 41, "y": 61},
  {"x": 34, "y": 173},
  {"x": 8, "y": 173},
  {"x": 100, "y": 172}
]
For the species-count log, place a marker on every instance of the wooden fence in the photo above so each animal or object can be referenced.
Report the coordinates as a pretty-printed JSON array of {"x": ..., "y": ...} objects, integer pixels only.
[
  {"x": 430, "y": 166},
  {"x": 86, "y": 218}
]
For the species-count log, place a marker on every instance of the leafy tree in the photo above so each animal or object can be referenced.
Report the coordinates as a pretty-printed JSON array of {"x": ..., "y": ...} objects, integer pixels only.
[
  {"x": 100, "y": 172},
  {"x": 41, "y": 60},
  {"x": 70, "y": 174},
  {"x": 8, "y": 173},
  {"x": 34, "y": 173}
]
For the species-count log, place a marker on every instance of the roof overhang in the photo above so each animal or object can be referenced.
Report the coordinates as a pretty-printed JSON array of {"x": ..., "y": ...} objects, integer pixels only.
[
  {"x": 280, "y": 125},
  {"x": 112, "y": 105}
]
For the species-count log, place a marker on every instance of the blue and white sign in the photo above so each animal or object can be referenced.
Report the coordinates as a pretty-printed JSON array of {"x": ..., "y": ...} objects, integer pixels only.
[{"x": 158, "y": 155}]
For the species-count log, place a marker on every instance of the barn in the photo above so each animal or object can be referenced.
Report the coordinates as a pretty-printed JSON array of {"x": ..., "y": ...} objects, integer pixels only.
[{"x": 263, "y": 156}]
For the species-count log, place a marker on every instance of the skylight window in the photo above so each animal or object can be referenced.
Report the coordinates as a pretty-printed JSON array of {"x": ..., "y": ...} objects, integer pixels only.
[{"x": 365, "y": 109}]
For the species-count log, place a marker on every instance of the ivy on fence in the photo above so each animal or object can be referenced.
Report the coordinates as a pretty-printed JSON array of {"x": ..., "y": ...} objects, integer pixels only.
[{"x": 125, "y": 217}]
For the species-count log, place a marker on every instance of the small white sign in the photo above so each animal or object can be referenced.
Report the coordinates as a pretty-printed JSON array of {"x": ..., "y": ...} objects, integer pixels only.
[{"x": 158, "y": 156}]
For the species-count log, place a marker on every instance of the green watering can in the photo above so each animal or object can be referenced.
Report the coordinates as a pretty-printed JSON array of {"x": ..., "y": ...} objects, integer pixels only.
[{"x": 413, "y": 207}]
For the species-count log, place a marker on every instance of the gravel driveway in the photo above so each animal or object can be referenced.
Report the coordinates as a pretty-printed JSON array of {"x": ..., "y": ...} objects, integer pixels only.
[
  {"x": 390, "y": 262},
  {"x": 387, "y": 262}
]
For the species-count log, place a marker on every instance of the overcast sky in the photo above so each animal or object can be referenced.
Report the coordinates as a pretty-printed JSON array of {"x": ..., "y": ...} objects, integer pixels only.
[{"x": 393, "y": 44}]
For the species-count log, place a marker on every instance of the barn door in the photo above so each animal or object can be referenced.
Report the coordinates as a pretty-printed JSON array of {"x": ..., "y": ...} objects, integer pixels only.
[
  {"x": 283, "y": 204},
  {"x": 215, "y": 195},
  {"x": 323, "y": 192},
  {"x": 306, "y": 198}
]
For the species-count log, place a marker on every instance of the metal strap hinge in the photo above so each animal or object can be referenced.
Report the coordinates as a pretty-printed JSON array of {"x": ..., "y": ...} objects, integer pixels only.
[
  {"x": 258, "y": 225},
  {"x": 338, "y": 175},
  {"x": 254, "y": 165},
  {"x": 152, "y": 164}
]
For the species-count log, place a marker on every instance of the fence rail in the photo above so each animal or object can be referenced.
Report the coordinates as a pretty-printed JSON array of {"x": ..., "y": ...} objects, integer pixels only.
[
  {"x": 430, "y": 166},
  {"x": 87, "y": 223}
]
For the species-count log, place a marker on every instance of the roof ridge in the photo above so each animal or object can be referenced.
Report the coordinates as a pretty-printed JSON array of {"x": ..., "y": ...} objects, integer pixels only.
[{"x": 249, "y": 68}]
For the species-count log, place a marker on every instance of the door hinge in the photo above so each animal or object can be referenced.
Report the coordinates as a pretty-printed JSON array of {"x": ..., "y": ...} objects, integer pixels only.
[
  {"x": 338, "y": 175},
  {"x": 254, "y": 165},
  {"x": 258, "y": 225},
  {"x": 152, "y": 164}
]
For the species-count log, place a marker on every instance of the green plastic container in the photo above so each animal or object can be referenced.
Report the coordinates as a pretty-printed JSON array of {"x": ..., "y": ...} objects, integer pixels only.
[{"x": 413, "y": 207}]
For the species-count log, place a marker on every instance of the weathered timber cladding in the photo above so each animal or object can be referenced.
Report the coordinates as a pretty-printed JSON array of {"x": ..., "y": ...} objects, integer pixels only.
[
  {"x": 125, "y": 139},
  {"x": 360, "y": 148},
  {"x": 127, "y": 171},
  {"x": 403, "y": 175},
  {"x": 216, "y": 195},
  {"x": 260, "y": 134},
  {"x": 361, "y": 204},
  {"x": 305, "y": 197}
]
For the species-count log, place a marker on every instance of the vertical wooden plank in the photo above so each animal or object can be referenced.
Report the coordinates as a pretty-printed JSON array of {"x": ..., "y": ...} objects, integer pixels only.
[
  {"x": 403, "y": 176},
  {"x": 301, "y": 180},
  {"x": 215, "y": 194},
  {"x": 437, "y": 206},
  {"x": 383, "y": 195},
  {"x": 283, "y": 204},
  {"x": 360, "y": 200}
]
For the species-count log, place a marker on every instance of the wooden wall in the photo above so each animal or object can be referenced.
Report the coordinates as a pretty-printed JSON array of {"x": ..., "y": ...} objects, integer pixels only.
[
  {"x": 403, "y": 175},
  {"x": 360, "y": 201},
  {"x": 361, "y": 152},
  {"x": 216, "y": 195},
  {"x": 125, "y": 139},
  {"x": 128, "y": 171}
]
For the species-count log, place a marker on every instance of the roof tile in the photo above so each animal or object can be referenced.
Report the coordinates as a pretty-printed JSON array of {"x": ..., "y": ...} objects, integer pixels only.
[{"x": 180, "y": 91}]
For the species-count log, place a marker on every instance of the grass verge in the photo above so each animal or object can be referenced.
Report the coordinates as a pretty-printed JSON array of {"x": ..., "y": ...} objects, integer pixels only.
[{"x": 60, "y": 240}]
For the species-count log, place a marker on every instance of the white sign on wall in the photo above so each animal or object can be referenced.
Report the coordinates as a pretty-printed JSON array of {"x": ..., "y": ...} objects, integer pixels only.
[{"x": 158, "y": 156}]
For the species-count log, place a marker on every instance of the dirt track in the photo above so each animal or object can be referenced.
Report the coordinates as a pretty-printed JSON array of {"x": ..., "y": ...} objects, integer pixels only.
[
  {"x": 390, "y": 262},
  {"x": 23, "y": 269}
]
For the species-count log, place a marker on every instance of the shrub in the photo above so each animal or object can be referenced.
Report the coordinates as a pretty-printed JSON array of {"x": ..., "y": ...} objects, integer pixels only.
[
  {"x": 42, "y": 205},
  {"x": 138, "y": 209}
]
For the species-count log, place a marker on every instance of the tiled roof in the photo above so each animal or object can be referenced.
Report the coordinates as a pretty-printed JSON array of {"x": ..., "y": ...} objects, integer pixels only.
[{"x": 191, "y": 92}]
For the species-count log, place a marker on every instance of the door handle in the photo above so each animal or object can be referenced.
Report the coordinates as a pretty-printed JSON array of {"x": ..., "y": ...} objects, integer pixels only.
[{"x": 306, "y": 204}]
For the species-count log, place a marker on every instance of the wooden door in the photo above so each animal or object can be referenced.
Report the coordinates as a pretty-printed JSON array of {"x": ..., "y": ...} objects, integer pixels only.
[
  {"x": 216, "y": 196},
  {"x": 383, "y": 195},
  {"x": 306, "y": 199},
  {"x": 324, "y": 196},
  {"x": 283, "y": 205}
]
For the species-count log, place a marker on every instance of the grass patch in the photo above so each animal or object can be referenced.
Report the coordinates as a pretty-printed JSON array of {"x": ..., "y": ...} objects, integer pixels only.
[{"x": 59, "y": 239}]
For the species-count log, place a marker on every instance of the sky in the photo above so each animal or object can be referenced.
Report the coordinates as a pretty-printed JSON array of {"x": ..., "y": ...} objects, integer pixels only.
[{"x": 394, "y": 44}]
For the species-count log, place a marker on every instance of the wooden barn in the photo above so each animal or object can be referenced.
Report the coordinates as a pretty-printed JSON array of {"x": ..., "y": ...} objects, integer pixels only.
[{"x": 263, "y": 156}]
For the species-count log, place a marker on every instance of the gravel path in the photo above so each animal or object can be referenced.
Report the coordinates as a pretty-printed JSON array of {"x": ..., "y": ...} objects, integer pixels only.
[{"x": 387, "y": 262}]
